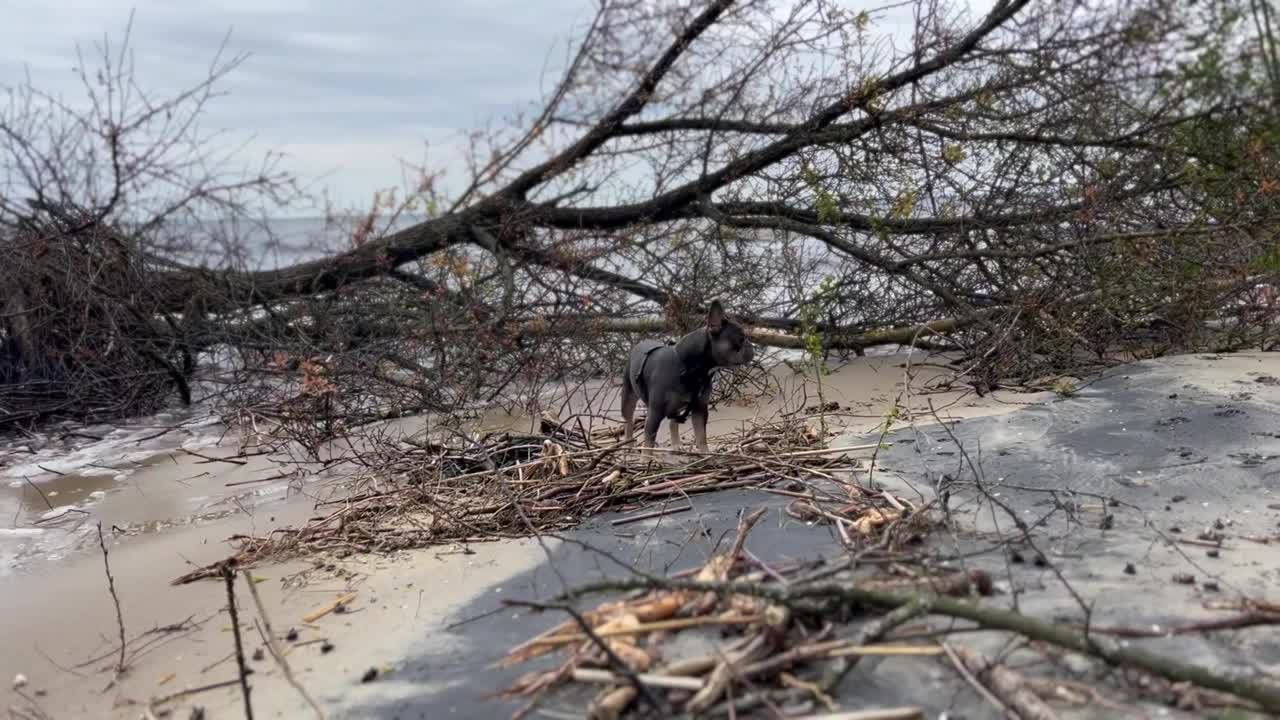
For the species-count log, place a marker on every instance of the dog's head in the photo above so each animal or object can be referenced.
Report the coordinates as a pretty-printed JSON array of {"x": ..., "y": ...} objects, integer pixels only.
[{"x": 730, "y": 345}]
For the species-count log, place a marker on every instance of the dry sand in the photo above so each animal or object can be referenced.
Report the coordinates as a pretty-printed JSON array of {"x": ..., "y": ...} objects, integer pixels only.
[{"x": 60, "y": 621}]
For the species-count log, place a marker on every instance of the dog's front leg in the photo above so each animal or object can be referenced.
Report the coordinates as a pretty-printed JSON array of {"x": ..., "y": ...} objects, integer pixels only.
[
  {"x": 700, "y": 427},
  {"x": 652, "y": 421}
]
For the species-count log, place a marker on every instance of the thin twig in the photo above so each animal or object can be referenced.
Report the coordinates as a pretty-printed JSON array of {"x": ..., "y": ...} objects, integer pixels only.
[
  {"x": 274, "y": 648},
  {"x": 229, "y": 577},
  {"x": 111, "y": 585}
]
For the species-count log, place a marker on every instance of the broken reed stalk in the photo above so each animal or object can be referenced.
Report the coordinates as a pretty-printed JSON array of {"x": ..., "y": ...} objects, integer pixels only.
[
  {"x": 841, "y": 597},
  {"x": 187, "y": 692},
  {"x": 111, "y": 586},
  {"x": 274, "y": 648},
  {"x": 229, "y": 577}
]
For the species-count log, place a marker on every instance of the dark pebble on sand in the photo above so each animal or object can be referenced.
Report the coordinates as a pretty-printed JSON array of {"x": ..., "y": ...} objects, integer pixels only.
[
  {"x": 369, "y": 675},
  {"x": 259, "y": 655},
  {"x": 1129, "y": 569},
  {"x": 1211, "y": 586},
  {"x": 1184, "y": 578},
  {"x": 292, "y": 635},
  {"x": 326, "y": 647},
  {"x": 1213, "y": 553}
]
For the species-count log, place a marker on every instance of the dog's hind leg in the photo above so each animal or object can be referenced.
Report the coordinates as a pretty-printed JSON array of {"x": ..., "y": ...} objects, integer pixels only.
[{"x": 628, "y": 411}]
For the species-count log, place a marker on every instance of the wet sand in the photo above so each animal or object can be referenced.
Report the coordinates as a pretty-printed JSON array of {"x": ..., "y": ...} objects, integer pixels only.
[{"x": 173, "y": 512}]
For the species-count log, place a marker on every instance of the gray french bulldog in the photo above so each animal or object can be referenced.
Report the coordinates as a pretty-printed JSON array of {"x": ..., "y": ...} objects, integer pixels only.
[{"x": 675, "y": 381}]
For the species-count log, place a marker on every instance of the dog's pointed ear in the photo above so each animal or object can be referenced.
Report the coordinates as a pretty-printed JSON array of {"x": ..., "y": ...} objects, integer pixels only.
[{"x": 715, "y": 317}]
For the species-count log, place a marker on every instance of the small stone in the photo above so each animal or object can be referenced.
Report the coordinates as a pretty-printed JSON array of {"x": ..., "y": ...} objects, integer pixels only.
[
  {"x": 1040, "y": 561},
  {"x": 326, "y": 647},
  {"x": 1077, "y": 664},
  {"x": 1184, "y": 578},
  {"x": 1129, "y": 569},
  {"x": 1213, "y": 553},
  {"x": 1211, "y": 586},
  {"x": 259, "y": 655},
  {"x": 369, "y": 675},
  {"x": 292, "y": 635},
  {"x": 1177, "y": 498},
  {"x": 1175, "y": 529},
  {"x": 19, "y": 681},
  {"x": 1015, "y": 557}
]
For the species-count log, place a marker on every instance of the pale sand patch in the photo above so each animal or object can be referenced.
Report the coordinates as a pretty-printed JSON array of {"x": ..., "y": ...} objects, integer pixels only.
[{"x": 63, "y": 611}]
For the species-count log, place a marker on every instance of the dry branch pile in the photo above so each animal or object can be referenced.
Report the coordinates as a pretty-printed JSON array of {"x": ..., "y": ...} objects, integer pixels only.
[
  {"x": 74, "y": 339},
  {"x": 511, "y": 485},
  {"x": 781, "y": 643},
  {"x": 766, "y": 645}
]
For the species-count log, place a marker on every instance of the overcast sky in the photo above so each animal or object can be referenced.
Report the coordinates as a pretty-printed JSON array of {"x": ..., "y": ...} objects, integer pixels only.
[{"x": 345, "y": 88}]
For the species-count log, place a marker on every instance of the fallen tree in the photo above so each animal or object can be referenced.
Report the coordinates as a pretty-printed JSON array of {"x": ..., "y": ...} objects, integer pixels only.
[{"x": 1045, "y": 186}]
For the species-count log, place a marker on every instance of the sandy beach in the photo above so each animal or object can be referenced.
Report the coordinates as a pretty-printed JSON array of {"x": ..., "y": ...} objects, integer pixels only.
[
  {"x": 1179, "y": 444},
  {"x": 176, "y": 509}
]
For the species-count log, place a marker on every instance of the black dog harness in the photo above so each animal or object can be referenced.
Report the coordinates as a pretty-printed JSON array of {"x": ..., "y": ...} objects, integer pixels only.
[{"x": 692, "y": 379}]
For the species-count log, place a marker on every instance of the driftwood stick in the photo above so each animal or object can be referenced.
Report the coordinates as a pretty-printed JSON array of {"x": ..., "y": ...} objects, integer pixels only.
[{"x": 328, "y": 608}]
